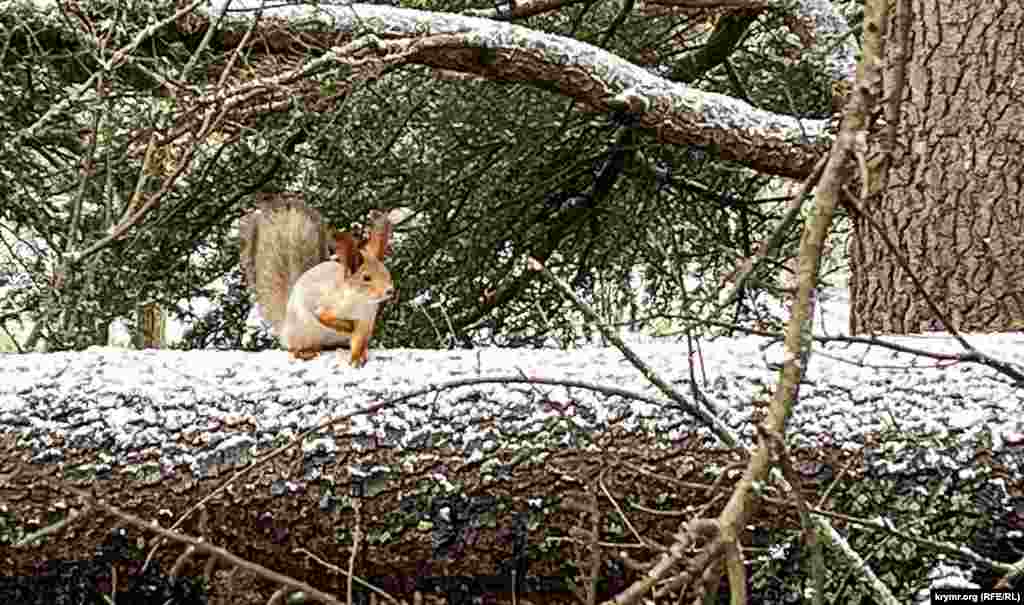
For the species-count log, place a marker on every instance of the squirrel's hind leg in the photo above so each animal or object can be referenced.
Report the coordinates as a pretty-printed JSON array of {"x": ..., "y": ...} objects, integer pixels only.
[{"x": 305, "y": 355}]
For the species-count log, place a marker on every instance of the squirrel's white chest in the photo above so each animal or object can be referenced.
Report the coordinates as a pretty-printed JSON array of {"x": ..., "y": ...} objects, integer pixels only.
[
  {"x": 348, "y": 305},
  {"x": 318, "y": 290}
]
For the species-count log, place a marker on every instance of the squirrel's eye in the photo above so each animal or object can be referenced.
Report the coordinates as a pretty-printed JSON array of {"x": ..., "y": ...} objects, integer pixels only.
[{"x": 367, "y": 277}]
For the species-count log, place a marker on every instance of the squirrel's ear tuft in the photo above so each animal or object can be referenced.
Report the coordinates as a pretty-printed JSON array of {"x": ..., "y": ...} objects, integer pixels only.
[
  {"x": 378, "y": 244},
  {"x": 345, "y": 250}
]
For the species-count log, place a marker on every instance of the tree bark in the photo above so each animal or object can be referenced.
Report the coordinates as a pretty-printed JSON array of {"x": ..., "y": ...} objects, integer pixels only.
[{"x": 953, "y": 203}]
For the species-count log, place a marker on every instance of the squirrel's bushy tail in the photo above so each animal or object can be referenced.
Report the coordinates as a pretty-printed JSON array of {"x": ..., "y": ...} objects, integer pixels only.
[{"x": 280, "y": 240}]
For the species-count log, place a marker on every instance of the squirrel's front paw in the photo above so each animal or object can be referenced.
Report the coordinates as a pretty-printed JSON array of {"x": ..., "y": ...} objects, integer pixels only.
[{"x": 330, "y": 319}]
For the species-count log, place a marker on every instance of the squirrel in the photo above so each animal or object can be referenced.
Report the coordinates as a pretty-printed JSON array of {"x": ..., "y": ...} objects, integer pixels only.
[{"x": 314, "y": 301}]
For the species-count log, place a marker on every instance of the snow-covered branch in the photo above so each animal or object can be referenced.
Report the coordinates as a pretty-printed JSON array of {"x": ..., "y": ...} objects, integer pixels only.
[{"x": 679, "y": 114}]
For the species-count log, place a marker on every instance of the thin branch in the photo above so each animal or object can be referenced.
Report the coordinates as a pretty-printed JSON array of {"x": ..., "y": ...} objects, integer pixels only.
[
  {"x": 706, "y": 416},
  {"x": 1006, "y": 368},
  {"x": 973, "y": 354},
  {"x": 520, "y": 9},
  {"x": 881, "y": 591},
  {"x": 50, "y": 530},
  {"x": 205, "y": 43},
  {"x": 202, "y": 546},
  {"x": 357, "y": 579},
  {"x": 718, "y": 486},
  {"x": 744, "y": 501},
  {"x": 809, "y": 530},
  {"x": 119, "y": 58},
  {"x": 771, "y": 243}
]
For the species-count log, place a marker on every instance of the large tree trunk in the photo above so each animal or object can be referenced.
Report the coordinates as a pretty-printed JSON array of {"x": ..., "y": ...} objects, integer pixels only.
[{"x": 954, "y": 204}]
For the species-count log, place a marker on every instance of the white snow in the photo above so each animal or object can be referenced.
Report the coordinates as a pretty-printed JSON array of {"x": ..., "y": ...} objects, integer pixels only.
[
  {"x": 117, "y": 394},
  {"x": 202, "y": 409}
]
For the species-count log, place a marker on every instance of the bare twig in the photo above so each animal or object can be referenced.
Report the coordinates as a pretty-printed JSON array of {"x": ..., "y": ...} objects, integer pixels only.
[
  {"x": 973, "y": 354},
  {"x": 618, "y": 509},
  {"x": 50, "y": 530},
  {"x": 810, "y": 532},
  {"x": 706, "y": 416},
  {"x": 201, "y": 546},
  {"x": 772, "y": 242},
  {"x": 520, "y": 9},
  {"x": 337, "y": 569},
  {"x": 357, "y": 539},
  {"x": 596, "y": 520},
  {"x": 119, "y": 57},
  {"x": 205, "y": 43},
  {"x": 744, "y": 501}
]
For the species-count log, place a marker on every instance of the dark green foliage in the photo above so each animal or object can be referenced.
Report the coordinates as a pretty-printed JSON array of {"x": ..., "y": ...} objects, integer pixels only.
[
  {"x": 490, "y": 173},
  {"x": 219, "y": 326}
]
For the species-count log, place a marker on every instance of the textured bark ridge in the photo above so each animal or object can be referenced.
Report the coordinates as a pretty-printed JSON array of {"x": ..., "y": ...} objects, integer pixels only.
[
  {"x": 156, "y": 432},
  {"x": 954, "y": 204}
]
